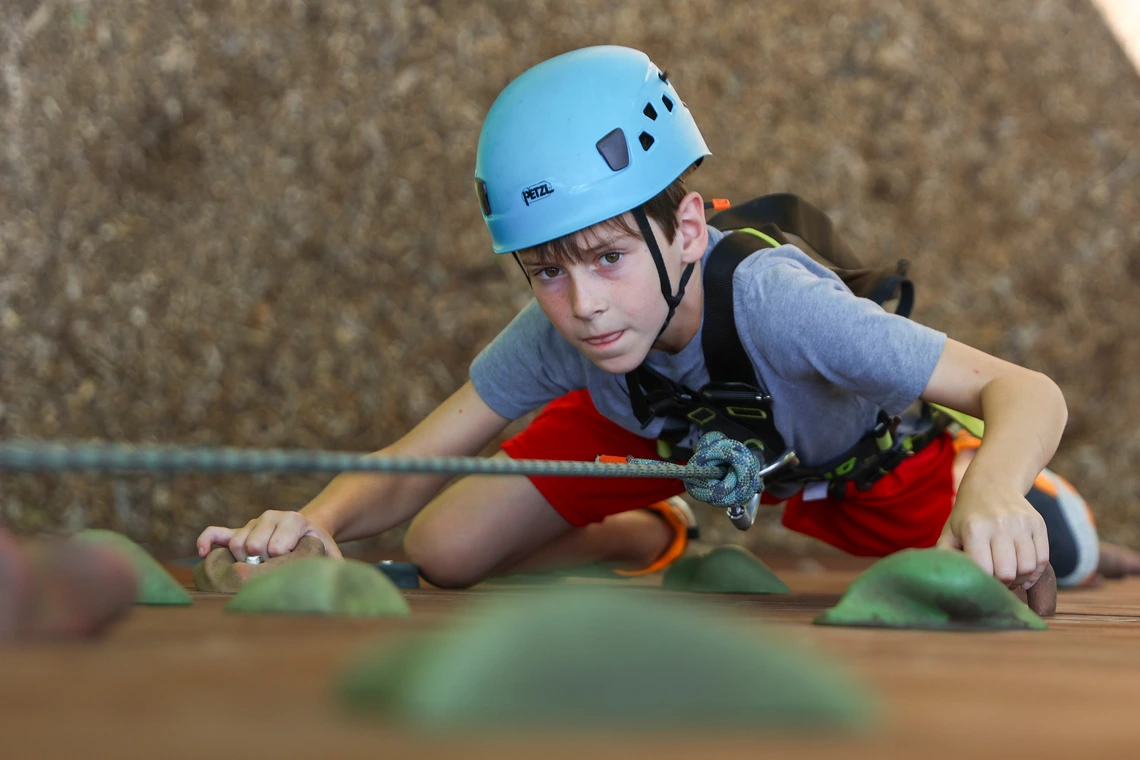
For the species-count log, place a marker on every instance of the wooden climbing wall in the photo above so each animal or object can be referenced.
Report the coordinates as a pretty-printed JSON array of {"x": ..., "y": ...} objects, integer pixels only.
[{"x": 182, "y": 682}]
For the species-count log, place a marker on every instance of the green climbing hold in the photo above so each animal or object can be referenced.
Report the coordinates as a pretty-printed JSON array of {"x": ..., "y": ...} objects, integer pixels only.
[
  {"x": 933, "y": 589},
  {"x": 322, "y": 586},
  {"x": 587, "y": 658},
  {"x": 156, "y": 586},
  {"x": 724, "y": 570}
]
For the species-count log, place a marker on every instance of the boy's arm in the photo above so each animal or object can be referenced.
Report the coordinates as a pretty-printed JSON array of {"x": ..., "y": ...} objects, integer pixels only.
[
  {"x": 356, "y": 505},
  {"x": 1025, "y": 414}
]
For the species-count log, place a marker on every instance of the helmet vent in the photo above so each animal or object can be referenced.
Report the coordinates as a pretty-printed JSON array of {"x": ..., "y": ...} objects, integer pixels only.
[
  {"x": 650, "y": 111},
  {"x": 614, "y": 150},
  {"x": 484, "y": 200},
  {"x": 646, "y": 140},
  {"x": 668, "y": 103}
]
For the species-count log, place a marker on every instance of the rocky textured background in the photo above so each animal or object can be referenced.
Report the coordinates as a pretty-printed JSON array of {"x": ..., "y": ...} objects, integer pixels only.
[{"x": 251, "y": 223}]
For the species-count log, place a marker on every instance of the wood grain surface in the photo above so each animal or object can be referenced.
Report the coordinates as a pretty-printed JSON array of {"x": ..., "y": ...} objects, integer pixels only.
[{"x": 195, "y": 681}]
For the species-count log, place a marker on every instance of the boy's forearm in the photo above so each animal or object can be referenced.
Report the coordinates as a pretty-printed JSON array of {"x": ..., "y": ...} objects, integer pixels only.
[
  {"x": 1025, "y": 417},
  {"x": 360, "y": 505}
]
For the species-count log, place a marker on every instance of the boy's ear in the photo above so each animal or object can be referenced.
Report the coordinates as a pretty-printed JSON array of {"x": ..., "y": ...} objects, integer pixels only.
[{"x": 692, "y": 230}]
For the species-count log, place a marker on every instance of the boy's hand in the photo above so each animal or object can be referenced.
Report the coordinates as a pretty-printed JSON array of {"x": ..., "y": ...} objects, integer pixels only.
[
  {"x": 1001, "y": 531},
  {"x": 272, "y": 534}
]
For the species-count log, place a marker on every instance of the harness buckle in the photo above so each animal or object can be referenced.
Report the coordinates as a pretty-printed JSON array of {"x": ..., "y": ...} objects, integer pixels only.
[{"x": 733, "y": 394}]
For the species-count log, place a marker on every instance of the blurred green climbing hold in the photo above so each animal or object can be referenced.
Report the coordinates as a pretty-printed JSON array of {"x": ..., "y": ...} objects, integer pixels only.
[
  {"x": 934, "y": 589},
  {"x": 321, "y": 586},
  {"x": 156, "y": 585}
]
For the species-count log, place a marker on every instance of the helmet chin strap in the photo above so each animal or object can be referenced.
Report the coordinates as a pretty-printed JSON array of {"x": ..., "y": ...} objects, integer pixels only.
[
  {"x": 666, "y": 289},
  {"x": 525, "y": 273},
  {"x": 673, "y": 301}
]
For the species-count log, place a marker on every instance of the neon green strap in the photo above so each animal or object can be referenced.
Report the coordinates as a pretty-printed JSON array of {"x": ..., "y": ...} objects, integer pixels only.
[
  {"x": 766, "y": 238},
  {"x": 973, "y": 425}
]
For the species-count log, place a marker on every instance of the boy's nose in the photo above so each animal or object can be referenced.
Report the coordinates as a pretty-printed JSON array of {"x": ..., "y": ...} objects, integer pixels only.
[{"x": 585, "y": 301}]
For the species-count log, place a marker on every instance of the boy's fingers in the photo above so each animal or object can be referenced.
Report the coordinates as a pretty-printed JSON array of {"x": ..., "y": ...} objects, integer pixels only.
[
  {"x": 1028, "y": 570},
  {"x": 213, "y": 536},
  {"x": 271, "y": 535},
  {"x": 1004, "y": 558},
  {"x": 976, "y": 543},
  {"x": 237, "y": 544},
  {"x": 257, "y": 542},
  {"x": 1036, "y": 552},
  {"x": 290, "y": 528},
  {"x": 1041, "y": 546},
  {"x": 1041, "y": 553},
  {"x": 982, "y": 556}
]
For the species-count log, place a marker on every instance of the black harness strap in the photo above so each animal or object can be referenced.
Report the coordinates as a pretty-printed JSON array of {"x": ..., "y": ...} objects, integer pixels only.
[
  {"x": 734, "y": 401},
  {"x": 724, "y": 353}
]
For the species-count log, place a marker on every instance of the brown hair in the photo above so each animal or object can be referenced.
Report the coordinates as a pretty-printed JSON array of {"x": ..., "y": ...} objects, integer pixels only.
[{"x": 576, "y": 247}]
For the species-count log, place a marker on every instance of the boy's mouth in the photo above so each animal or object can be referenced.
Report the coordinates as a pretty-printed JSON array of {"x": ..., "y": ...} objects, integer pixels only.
[{"x": 602, "y": 341}]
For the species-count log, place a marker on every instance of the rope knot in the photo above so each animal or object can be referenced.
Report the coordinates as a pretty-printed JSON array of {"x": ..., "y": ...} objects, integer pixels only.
[{"x": 741, "y": 479}]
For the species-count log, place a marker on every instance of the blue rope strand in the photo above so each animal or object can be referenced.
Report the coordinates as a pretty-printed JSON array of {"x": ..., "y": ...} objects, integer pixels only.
[{"x": 718, "y": 473}]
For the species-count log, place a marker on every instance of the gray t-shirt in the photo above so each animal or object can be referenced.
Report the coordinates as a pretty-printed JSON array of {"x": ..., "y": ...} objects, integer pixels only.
[{"x": 829, "y": 359}]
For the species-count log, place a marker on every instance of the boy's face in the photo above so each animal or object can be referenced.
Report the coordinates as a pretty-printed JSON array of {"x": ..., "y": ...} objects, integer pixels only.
[{"x": 609, "y": 306}]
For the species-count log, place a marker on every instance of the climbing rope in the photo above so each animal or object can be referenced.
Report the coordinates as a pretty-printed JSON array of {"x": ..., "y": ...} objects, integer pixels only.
[
  {"x": 739, "y": 479},
  {"x": 720, "y": 472}
]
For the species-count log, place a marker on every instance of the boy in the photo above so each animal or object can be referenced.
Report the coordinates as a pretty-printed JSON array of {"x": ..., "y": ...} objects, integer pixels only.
[{"x": 580, "y": 175}]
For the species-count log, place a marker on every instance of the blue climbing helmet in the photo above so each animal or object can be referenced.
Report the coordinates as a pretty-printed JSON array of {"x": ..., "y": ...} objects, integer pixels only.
[
  {"x": 581, "y": 138},
  {"x": 578, "y": 139}
]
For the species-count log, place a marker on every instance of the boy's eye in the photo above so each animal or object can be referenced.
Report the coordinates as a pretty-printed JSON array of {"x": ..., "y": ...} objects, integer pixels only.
[
  {"x": 549, "y": 272},
  {"x": 612, "y": 257}
]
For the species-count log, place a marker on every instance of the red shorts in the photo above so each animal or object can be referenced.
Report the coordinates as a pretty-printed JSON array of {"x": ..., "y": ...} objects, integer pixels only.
[{"x": 905, "y": 509}]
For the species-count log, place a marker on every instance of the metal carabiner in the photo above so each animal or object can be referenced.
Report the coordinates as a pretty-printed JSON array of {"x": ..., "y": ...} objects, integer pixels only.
[
  {"x": 787, "y": 458},
  {"x": 743, "y": 516}
]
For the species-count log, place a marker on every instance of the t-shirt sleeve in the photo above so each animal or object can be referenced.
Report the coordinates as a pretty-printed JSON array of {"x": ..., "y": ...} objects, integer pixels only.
[
  {"x": 804, "y": 321},
  {"x": 527, "y": 365}
]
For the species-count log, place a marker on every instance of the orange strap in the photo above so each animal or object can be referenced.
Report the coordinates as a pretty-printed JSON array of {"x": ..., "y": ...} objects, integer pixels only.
[
  {"x": 676, "y": 548},
  {"x": 965, "y": 441}
]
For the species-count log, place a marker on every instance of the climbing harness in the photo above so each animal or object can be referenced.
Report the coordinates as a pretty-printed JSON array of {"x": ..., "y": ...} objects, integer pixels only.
[
  {"x": 734, "y": 403},
  {"x": 723, "y": 473}
]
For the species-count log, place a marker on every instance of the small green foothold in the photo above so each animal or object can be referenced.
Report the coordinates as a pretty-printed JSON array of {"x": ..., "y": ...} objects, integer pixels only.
[
  {"x": 581, "y": 659},
  {"x": 935, "y": 589},
  {"x": 724, "y": 570},
  {"x": 156, "y": 586},
  {"x": 322, "y": 586}
]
